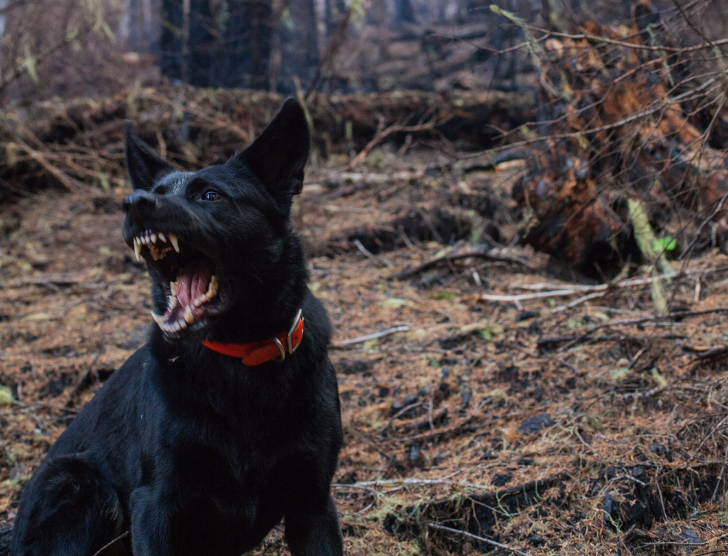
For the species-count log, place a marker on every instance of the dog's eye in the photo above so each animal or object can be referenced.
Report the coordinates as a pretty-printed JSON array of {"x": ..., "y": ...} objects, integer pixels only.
[{"x": 211, "y": 195}]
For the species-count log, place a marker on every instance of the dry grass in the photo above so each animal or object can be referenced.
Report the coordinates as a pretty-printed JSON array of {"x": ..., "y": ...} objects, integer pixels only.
[{"x": 639, "y": 411}]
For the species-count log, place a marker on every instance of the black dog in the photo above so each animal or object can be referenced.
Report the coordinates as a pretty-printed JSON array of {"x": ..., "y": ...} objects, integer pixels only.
[{"x": 228, "y": 419}]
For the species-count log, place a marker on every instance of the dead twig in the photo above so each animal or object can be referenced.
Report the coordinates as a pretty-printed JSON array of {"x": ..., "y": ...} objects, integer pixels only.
[
  {"x": 117, "y": 539},
  {"x": 372, "y": 336},
  {"x": 72, "y": 184},
  {"x": 381, "y": 135},
  {"x": 477, "y": 538},
  {"x": 491, "y": 255},
  {"x": 425, "y": 482},
  {"x": 601, "y": 288},
  {"x": 368, "y": 254}
]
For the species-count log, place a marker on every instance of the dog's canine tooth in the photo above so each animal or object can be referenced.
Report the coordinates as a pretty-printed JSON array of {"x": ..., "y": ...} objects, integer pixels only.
[
  {"x": 159, "y": 319},
  {"x": 189, "y": 319},
  {"x": 173, "y": 240},
  {"x": 138, "y": 250},
  {"x": 173, "y": 288},
  {"x": 211, "y": 288}
]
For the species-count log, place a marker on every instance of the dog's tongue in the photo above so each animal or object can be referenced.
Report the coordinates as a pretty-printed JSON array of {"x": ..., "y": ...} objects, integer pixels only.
[{"x": 193, "y": 280}]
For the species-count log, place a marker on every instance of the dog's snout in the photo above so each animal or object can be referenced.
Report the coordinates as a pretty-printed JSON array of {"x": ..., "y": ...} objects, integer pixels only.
[{"x": 139, "y": 199}]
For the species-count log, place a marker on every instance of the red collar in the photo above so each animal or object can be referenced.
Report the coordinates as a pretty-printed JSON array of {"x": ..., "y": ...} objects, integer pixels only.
[{"x": 256, "y": 353}]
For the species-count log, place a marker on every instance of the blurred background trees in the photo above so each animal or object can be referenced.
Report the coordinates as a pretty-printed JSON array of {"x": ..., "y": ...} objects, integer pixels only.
[{"x": 84, "y": 47}]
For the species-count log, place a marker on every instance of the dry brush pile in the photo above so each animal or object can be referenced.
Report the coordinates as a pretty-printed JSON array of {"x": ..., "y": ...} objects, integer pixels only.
[{"x": 632, "y": 124}]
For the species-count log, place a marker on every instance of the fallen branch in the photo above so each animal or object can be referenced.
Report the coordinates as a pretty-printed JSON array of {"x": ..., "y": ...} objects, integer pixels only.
[
  {"x": 392, "y": 482},
  {"x": 434, "y": 433},
  {"x": 372, "y": 336},
  {"x": 572, "y": 290},
  {"x": 72, "y": 184},
  {"x": 637, "y": 321},
  {"x": 395, "y": 128},
  {"x": 491, "y": 255},
  {"x": 477, "y": 538},
  {"x": 579, "y": 301},
  {"x": 368, "y": 254}
]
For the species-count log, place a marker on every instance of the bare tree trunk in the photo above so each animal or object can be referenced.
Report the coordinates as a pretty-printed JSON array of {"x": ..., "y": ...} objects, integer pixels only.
[
  {"x": 404, "y": 11},
  {"x": 131, "y": 24},
  {"x": 185, "y": 73},
  {"x": 244, "y": 58},
  {"x": 335, "y": 10},
  {"x": 378, "y": 16},
  {"x": 201, "y": 42},
  {"x": 299, "y": 44}
]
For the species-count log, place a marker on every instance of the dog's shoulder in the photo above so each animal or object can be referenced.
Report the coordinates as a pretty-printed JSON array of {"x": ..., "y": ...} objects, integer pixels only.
[{"x": 106, "y": 417}]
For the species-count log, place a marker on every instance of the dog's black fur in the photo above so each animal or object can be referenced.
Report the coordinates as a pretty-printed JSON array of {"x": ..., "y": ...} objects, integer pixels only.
[{"x": 188, "y": 449}]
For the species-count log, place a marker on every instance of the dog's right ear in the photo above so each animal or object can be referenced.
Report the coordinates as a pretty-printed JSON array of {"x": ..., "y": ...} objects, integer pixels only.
[
  {"x": 278, "y": 156},
  {"x": 144, "y": 167}
]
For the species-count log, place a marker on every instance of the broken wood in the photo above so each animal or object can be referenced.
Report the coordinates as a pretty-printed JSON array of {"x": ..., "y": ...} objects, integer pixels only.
[{"x": 372, "y": 336}]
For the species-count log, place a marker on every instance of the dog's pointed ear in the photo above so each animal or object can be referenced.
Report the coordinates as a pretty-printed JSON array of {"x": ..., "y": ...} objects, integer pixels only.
[
  {"x": 278, "y": 156},
  {"x": 143, "y": 166}
]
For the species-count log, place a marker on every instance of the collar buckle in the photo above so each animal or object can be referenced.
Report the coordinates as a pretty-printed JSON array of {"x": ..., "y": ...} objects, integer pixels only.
[
  {"x": 289, "y": 341},
  {"x": 281, "y": 348}
]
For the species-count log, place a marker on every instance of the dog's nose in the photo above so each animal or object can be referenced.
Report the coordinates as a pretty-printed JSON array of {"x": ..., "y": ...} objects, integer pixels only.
[{"x": 139, "y": 199}]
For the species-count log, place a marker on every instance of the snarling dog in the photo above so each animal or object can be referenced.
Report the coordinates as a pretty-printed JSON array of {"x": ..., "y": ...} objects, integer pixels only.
[{"x": 227, "y": 420}]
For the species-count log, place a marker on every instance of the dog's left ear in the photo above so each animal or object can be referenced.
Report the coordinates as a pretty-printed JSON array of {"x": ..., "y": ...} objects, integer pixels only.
[
  {"x": 278, "y": 156},
  {"x": 143, "y": 166}
]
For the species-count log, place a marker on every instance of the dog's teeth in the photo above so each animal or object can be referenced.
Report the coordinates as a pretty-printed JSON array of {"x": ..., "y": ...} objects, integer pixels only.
[
  {"x": 173, "y": 240},
  {"x": 189, "y": 319},
  {"x": 138, "y": 251},
  {"x": 171, "y": 302},
  {"x": 181, "y": 324},
  {"x": 173, "y": 288},
  {"x": 161, "y": 236},
  {"x": 154, "y": 238},
  {"x": 197, "y": 302}
]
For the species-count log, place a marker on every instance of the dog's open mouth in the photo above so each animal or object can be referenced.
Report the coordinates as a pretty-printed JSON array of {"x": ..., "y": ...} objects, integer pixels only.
[{"x": 190, "y": 275}]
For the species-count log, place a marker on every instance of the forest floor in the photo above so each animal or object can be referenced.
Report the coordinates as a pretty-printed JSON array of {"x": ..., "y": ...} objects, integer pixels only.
[{"x": 555, "y": 425}]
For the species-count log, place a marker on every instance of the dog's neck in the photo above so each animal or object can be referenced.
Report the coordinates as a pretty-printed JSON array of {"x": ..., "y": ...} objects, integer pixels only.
[{"x": 268, "y": 307}]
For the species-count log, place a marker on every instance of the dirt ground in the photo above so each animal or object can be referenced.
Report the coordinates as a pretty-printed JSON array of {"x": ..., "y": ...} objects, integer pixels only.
[{"x": 572, "y": 423}]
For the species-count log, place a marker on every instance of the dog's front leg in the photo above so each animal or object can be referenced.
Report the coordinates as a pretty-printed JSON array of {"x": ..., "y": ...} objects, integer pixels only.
[
  {"x": 148, "y": 536},
  {"x": 313, "y": 530}
]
